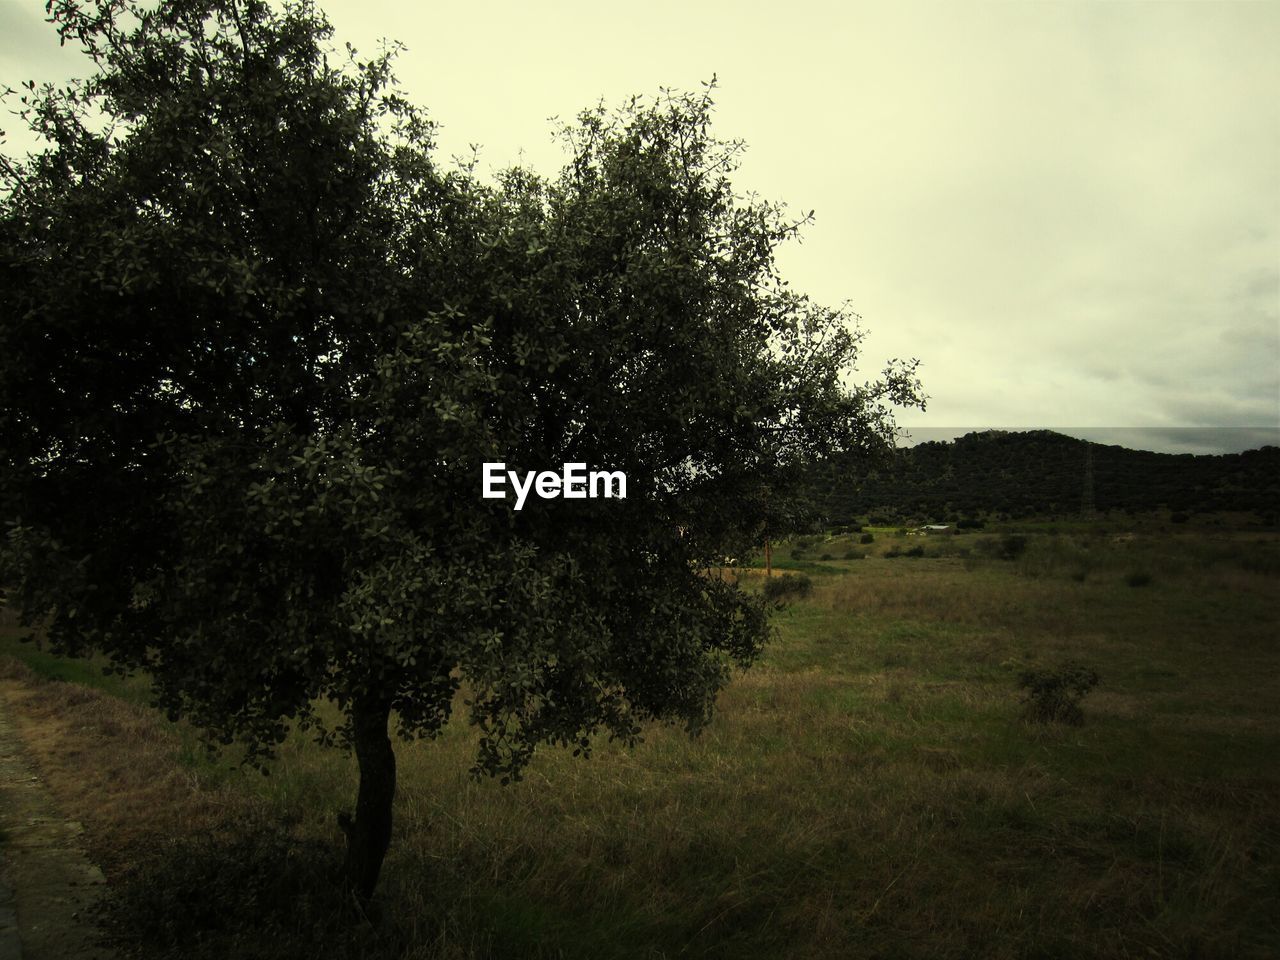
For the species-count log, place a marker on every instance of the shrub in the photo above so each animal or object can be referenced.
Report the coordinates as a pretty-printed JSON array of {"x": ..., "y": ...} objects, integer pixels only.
[
  {"x": 852, "y": 555},
  {"x": 1011, "y": 546},
  {"x": 892, "y": 552},
  {"x": 914, "y": 552},
  {"x": 1259, "y": 561},
  {"x": 970, "y": 524},
  {"x": 867, "y": 538},
  {"x": 779, "y": 589},
  {"x": 826, "y": 556},
  {"x": 1054, "y": 695},
  {"x": 1008, "y": 546},
  {"x": 1138, "y": 578},
  {"x": 804, "y": 543}
]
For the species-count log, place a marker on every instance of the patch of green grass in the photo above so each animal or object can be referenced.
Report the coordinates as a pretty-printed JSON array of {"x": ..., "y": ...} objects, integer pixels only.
[{"x": 48, "y": 666}]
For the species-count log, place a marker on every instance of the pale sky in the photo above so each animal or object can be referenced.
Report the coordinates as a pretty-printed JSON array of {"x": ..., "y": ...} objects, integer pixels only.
[{"x": 1070, "y": 212}]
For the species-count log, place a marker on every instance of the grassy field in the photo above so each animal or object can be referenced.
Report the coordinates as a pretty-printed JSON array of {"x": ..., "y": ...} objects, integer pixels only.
[{"x": 869, "y": 790}]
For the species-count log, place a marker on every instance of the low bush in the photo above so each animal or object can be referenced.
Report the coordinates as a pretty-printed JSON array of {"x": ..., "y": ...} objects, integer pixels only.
[
  {"x": 1054, "y": 695},
  {"x": 789, "y": 585},
  {"x": 1012, "y": 546},
  {"x": 1008, "y": 546},
  {"x": 1138, "y": 578},
  {"x": 1059, "y": 556},
  {"x": 1259, "y": 560},
  {"x": 867, "y": 538}
]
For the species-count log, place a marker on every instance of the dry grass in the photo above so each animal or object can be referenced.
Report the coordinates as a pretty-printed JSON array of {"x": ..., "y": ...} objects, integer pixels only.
[
  {"x": 111, "y": 764},
  {"x": 868, "y": 790}
]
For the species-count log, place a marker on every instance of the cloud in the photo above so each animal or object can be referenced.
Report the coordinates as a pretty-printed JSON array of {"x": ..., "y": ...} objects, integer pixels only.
[
  {"x": 1069, "y": 212},
  {"x": 30, "y": 52}
]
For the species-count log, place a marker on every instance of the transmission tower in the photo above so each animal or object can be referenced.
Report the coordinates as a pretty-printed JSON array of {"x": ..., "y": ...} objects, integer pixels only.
[{"x": 1087, "y": 506}]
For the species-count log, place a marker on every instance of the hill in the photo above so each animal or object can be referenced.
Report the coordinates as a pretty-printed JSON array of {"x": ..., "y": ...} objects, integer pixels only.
[{"x": 1043, "y": 473}]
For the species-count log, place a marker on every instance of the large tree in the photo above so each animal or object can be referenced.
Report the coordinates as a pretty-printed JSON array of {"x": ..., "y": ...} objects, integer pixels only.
[{"x": 256, "y": 343}]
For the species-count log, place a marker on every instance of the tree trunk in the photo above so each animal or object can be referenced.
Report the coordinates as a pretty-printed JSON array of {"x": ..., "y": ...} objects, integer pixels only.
[{"x": 370, "y": 834}]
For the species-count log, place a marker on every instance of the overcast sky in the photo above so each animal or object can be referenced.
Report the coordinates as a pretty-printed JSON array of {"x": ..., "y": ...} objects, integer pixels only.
[{"x": 1070, "y": 212}]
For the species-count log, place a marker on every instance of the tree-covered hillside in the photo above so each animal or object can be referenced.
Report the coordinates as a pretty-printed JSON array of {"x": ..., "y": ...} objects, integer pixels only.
[{"x": 1042, "y": 473}]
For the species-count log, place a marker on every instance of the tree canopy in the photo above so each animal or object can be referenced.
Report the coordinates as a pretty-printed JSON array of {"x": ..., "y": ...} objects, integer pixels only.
[{"x": 256, "y": 343}]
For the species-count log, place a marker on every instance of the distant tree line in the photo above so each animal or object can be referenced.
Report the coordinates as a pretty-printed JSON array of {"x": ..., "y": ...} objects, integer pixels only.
[{"x": 1042, "y": 473}]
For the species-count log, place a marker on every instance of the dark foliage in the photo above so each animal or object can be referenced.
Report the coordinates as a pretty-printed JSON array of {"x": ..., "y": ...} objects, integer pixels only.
[
  {"x": 786, "y": 587},
  {"x": 1054, "y": 695},
  {"x": 1039, "y": 473},
  {"x": 256, "y": 342},
  {"x": 1007, "y": 546}
]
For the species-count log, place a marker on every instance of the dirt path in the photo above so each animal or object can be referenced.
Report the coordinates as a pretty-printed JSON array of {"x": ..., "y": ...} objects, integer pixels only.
[{"x": 45, "y": 877}]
